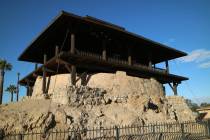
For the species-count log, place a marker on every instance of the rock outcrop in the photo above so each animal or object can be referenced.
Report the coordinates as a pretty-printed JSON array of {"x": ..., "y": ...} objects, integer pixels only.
[{"x": 107, "y": 100}]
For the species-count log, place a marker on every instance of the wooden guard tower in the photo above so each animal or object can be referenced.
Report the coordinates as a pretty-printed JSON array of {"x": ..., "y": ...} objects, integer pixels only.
[{"x": 86, "y": 45}]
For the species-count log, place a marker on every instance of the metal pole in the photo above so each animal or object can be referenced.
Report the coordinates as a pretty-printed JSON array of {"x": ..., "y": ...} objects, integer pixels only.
[{"x": 17, "y": 92}]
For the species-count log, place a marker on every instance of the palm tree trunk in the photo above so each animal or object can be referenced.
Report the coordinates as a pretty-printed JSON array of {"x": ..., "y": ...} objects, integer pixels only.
[
  {"x": 11, "y": 96},
  {"x": 1, "y": 84}
]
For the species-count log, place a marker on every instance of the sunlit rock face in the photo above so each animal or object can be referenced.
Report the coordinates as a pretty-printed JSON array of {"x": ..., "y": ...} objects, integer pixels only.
[
  {"x": 106, "y": 100},
  {"x": 117, "y": 85}
]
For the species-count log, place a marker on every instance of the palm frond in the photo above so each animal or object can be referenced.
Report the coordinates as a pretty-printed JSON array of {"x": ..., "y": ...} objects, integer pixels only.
[
  {"x": 11, "y": 89},
  {"x": 4, "y": 65}
]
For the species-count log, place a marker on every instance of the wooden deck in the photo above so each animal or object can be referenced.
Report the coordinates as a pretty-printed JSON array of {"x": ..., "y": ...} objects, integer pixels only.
[{"x": 93, "y": 63}]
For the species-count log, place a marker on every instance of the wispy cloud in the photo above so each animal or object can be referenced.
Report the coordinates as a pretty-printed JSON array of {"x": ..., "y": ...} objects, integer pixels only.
[
  {"x": 199, "y": 56},
  {"x": 170, "y": 41},
  {"x": 205, "y": 65}
]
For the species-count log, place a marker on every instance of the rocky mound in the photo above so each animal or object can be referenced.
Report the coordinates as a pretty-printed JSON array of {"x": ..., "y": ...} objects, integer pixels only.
[{"x": 107, "y": 100}]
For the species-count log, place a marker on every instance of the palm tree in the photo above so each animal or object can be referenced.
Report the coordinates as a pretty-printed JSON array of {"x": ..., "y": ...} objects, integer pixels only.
[
  {"x": 11, "y": 89},
  {"x": 17, "y": 93},
  {"x": 4, "y": 66}
]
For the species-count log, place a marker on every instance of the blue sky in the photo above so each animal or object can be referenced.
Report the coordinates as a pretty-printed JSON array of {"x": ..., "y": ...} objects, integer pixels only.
[{"x": 181, "y": 24}]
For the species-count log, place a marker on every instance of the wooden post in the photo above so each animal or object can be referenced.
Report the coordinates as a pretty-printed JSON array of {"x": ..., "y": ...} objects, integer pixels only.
[
  {"x": 84, "y": 79},
  {"x": 150, "y": 64},
  {"x": 56, "y": 50},
  {"x": 150, "y": 60},
  {"x": 167, "y": 67},
  {"x": 44, "y": 75},
  {"x": 36, "y": 66},
  {"x": 17, "y": 92},
  {"x": 73, "y": 75},
  {"x": 104, "y": 50},
  {"x": 129, "y": 57},
  {"x": 175, "y": 88},
  {"x": 28, "y": 90},
  {"x": 72, "y": 50}
]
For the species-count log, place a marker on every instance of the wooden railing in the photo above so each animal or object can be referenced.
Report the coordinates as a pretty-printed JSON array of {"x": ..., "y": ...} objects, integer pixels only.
[{"x": 119, "y": 61}]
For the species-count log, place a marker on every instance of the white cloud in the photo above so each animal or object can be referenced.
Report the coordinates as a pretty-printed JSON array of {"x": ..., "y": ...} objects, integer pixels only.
[
  {"x": 197, "y": 56},
  {"x": 205, "y": 65},
  {"x": 200, "y": 56}
]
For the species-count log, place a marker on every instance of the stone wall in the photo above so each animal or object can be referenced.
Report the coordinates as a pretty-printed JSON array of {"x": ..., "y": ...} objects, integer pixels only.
[{"x": 181, "y": 108}]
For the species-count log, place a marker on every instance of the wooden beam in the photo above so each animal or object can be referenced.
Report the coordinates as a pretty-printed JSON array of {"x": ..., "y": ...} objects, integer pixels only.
[
  {"x": 72, "y": 50},
  {"x": 174, "y": 87},
  {"x": 82, "y": 77},
  {"x": 150, "y": 64},
  {"x": 104, "y": 49},
  {"x": 68, "y": 68},
  {"x": 49, "y": 70},
  {"x": 44, "y": 75},
  {"x": 30, "y": 90},
  {"x": 73, "y": 75},
  {"x": 56, "y": 50},
  {"x": 129, "y": 57},
  {"x": 65, "y": 63},
  {"x": 27, "y": 87}
]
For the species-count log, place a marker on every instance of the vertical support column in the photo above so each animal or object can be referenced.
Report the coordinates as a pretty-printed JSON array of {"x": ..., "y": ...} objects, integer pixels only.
[
  {"x": 167, "y": 66},
  {"x": 150, "y": 61},
  {"x": 36, "y": 66},
  {"x": 73, "y": 67},
  {"x": 44, "y": 75},
  {"x": 175, "y": 88},
  {"x": 104, "y": 50},
  {"x": 73, "y": 75},
  {"x": 84, "y": 79},
  {"x": 129, "y": 57},
  {"x": 28, "y": 90},
  {"x": 164, "y": 90},
  {"x": 150, "y": 64},
  {"x": 72, "y": 49},
  {"x": 154, "y": 66},
  {"x": 56, "y": 51},
  {"x": 17, "y": 92}
]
